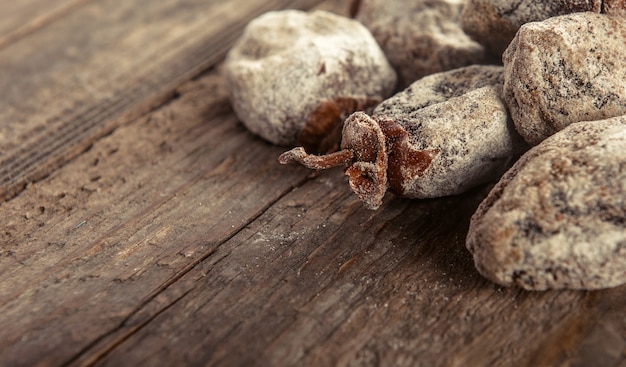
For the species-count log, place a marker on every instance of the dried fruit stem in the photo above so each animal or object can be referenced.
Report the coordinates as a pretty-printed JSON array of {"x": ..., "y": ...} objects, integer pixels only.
[{"x": 317, "y": 162}]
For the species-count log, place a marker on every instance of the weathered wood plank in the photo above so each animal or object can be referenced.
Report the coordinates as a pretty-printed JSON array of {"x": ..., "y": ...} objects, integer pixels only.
[
  {"x": 334, "y": 284},
  {"x": 105, "y": 64},
  {"x": 178, "y": 240},
  {"x": 18, "y": 19},
  {"x": 87, "y": 246}
]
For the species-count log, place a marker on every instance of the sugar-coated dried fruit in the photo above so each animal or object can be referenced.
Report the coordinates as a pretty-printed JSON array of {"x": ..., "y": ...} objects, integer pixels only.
[
  {"x": 294, "y": 76},
  {"x": 557, "y": 218},
  {"x": 563, "y": 70},
  {"x": 614, "y": 7},
  {"x": 493, "y": 23},
  {"x": 441, "y": 136},
  {"x": 420, "y": 37}
]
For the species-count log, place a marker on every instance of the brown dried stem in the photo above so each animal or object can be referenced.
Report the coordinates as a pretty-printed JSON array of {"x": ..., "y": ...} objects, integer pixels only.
[{"x": 317, "y": 162}]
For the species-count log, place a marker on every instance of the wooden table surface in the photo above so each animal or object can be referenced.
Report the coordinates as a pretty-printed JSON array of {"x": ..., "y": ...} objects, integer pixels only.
[{"x": 141, "y": 224}]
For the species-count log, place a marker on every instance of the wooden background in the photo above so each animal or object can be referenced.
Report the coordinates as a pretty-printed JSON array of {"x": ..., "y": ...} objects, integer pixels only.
[{"x": 141, "y": 224}]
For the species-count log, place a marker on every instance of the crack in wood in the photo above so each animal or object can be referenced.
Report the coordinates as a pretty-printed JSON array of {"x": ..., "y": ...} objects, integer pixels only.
[
  {"x": 119, "y": 340},
  {"x": 40, "y": 22},
  {"x": 65, "y": 137},
  {"x": 101, "y": 346}
]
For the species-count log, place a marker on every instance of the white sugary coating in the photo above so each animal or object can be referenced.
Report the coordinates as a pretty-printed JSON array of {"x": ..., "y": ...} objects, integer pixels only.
[
  {"x": 460, "y": 119},
  {"x": 441, "y": 136},
  {"x": 421, "y": 37},
  {"x": 437, "y": 88},
  {"x": 494, "y": 23},
  {"x": 614, "y": 7},
  {"x": 564, "y": 70},
  {"x": 557, "y": 218},
  {"x": 287, "y": 62},
  {"x": 475, "y": 139}
]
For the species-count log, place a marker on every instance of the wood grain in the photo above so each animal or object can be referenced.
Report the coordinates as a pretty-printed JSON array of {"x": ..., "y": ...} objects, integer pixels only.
[
  {"x": 175, "y": 238},
  {"x": 64, "y": 89},
  {"x": 18, "y": 19},
  {"x": 115, "y": 227},
  {"x": 178, "y": 240}
]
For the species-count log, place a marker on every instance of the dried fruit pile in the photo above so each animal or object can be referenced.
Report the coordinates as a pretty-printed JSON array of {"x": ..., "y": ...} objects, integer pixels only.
[{"x": 557, "y": 218}]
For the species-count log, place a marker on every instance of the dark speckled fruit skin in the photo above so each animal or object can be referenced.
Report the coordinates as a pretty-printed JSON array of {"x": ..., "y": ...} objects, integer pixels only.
[
  {"x": 564, "y": 70},
  {"x": 557, "y": 218},
  {"x": 493, "y": 23},
  {"x": 443, "y": 135},
  {"x": 421, "y": 37}
]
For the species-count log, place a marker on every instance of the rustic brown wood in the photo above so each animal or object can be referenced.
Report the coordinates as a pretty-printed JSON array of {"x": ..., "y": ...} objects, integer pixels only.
[
  {"x": 117, "y": 214},
  {"x": 63, "y": 88},
  {"x": 21, "y": 18},
  {"x": 176, "y": 239}
]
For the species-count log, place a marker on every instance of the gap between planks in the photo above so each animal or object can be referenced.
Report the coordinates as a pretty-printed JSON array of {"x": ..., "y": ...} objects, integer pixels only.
[
  {"x": 69, "y": 134},
  {"x": 106, "y": 342}
]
